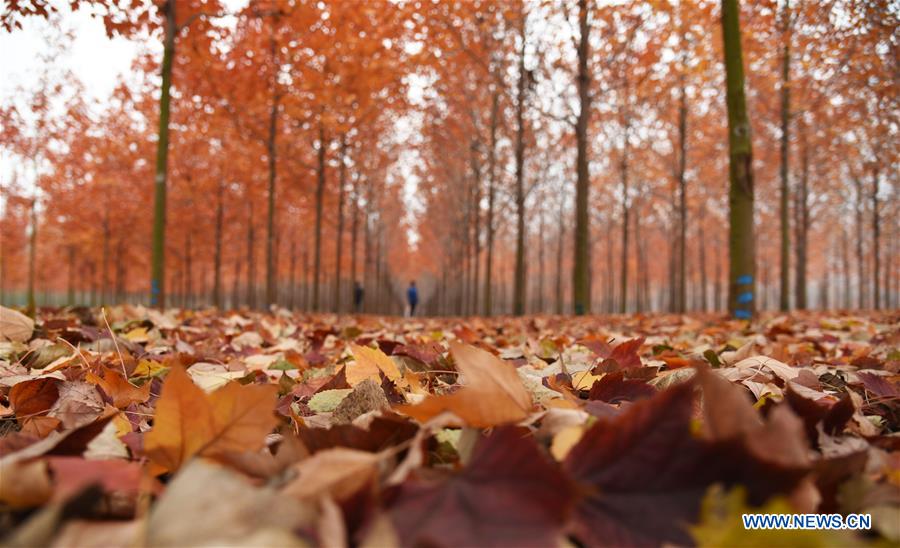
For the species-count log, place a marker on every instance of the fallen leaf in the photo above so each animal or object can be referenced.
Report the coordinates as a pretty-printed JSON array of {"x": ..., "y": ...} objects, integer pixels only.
[
  {"x": 510, "y": 494},
  {"x": 493, "y": 393},
  {"x": 118, "y": 389},
  {"x": 189, "y": 422},
  {"x": 15, "y": 326}
]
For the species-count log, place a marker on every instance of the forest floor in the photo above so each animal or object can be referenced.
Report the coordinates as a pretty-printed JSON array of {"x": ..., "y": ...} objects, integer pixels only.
[{"x": 199, "y": 427}]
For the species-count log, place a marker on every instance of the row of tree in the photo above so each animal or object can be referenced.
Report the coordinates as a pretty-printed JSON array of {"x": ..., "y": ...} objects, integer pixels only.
[
  {"x": 513, "y": 156},
  {"x": 615, "y": 116}
]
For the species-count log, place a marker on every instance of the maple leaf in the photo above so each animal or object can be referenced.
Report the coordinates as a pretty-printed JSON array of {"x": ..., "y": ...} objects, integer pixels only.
[
  {"x": 370, "y": 362},
  {"x": 29, "y": 398},
  {"x": 614, "y": 387},
  {"x": 189, "y": 422},
  {"x": 643, "y": 473},
  {"x": 493, "y": 393},
  {"x": 118, "y": 389},
  {"x": 510, "y": 494}
]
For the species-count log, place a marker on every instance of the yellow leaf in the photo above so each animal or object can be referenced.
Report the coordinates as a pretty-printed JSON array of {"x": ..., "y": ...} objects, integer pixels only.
[
  {"x": 148, "y": 368},
  {"x": 138, "y": 335},
  {"x": 372, "y": 356},
  {"x": 584, "y": 380},
  {"x": 565, "y": 440}
]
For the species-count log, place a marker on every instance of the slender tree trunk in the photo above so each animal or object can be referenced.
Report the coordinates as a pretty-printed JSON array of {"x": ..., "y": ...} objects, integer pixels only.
[
  {"x": 476, "y": 239},
  {"x": 717, "y": 289},
  {"x": 701, "y": 245},
  {"x": 354, "y": 230},
  {"x": 70, "y": 291},
  {"x": 320, "y": 198},
  {"x": 860, "y": 259},
  {"x": 104, "y": 261},
  {"x": 742, "y": 256},
  {"x": 876, "y": 233},
  {"x": 610, "y": 272},
  {"x": 520, "y": 280},
  {"x": 342, "y": 181},
  {"x": 623, "y": 166},
  {"x": 785, "y": 281},
  {"x": 489, "y": 259},
  {"x": 560, "y": 240},
  {"x": 189, "y": 273},
  {"x": 32, "y": 257},
  {"x": 682, "y": 195},
  {"x": 271, "y": 282},
  {"x": 251, "y": 264},
  {"x": 157, "y": 263},
  {"x": 802, "y": 230},
  {"x": 638, "y": 304},
  {"x": 293, "y": 276},
  {"x": 581, "y": 283},
  {"x": 218, "y": 297},
  {"x": 845, "y": 269},
  {"x": 236, "y": 285}
]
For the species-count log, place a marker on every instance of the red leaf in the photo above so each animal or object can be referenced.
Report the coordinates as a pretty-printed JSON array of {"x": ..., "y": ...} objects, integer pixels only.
[
  {"x": 510, "y": 494},
  {"x": 614, "y": 388}
]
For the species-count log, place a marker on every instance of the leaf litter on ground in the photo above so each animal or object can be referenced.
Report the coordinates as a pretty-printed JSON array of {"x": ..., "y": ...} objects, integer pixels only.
[{"x": 137, "y": 426}]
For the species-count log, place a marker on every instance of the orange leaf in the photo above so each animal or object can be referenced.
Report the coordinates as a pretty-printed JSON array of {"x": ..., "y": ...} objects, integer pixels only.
[
  {"x": 493, "y": 393},
  {"x": 189, "y": 422},
  {"x": 122, "y": 392}
]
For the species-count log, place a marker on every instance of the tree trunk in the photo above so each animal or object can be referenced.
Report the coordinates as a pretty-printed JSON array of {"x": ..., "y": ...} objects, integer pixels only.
[
  {"x": 845, "y": 269},
  {"x": 32, "y": 257},
  {"x": 70, "y": 291},
  {"x": 682, "y": 196},
  {"x": 623, "y": 166},
  {"x": 271, "y": 148},
  {"x": 489, "y": 259},
  {"x": 860, "y": 259},
  {"x": 520, "y": 280},
  {"x": 701, "y": 245},
  {"x": 876, "y": 233},
  {"x": 342, "y": 181},
  {"x": 320, "y": 198},
  {"x": 293, "y": 276},
  {"x": 742, "y": 258},
  {"x": 476, "y": 239},
  {"x": 218, "y": 299},
  {"x": 157, "y": 263},
  {"x": 581, "y": 283},
  {"x": 251, "y": 264},
  {"x": 236, "y": 285},
  {"x": 104, "y": 261},
  {"x": 354, "y": 233},
  {"x": 784, "y": 302},
  {"x": 560, "y": 240},
  {"x": 802, "y": 228},
  {"x": 188, "y": 273}
]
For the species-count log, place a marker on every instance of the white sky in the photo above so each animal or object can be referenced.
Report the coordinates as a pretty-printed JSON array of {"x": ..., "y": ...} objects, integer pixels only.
[{"x": 95, "y": 59}]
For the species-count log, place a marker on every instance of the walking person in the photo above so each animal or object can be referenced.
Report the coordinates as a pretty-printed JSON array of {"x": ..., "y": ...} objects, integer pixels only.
[
  {"x": 358, "y": 294},
  {"x": 412, "y": 297}
]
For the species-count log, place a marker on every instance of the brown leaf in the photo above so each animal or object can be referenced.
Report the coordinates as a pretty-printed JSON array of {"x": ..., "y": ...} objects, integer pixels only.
[{"x": 29, "y": 398}]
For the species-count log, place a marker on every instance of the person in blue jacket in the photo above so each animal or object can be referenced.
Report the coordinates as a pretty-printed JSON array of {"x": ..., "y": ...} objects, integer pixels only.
[{"x": 412, "y": 297}]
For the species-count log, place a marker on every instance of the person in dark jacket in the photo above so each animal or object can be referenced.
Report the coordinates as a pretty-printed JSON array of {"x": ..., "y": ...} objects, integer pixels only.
[
  {"x": 412, "y": 297},
  {"x": 358, "y": 294}
]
